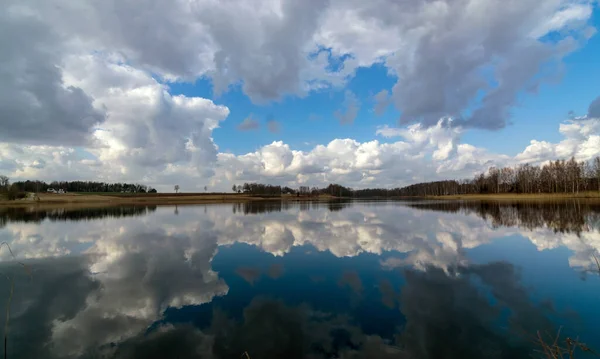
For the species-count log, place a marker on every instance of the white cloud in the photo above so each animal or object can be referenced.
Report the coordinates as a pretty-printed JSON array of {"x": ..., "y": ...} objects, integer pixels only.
[
  {"x": 126, "y": 267},
  {"x": 429, "y": 237},
  {"x": 420, "y": 154},
  {"x": 442, "y": 51},
  {"x": 89, "y": 104},
  {"x": 388, "y": 132},
  {"x": 147, "y": 134},
  {"x": 36, "y": 105},
  {"x": 581, "y": 140}
]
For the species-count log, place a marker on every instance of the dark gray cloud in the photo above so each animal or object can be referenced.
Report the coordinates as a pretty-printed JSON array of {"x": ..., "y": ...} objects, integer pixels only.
[
  {"x": 594, "y": 108},
  {"x": 249, "y": 124},
  {"x": 265, "y": 50},
  {"x": 515, "y": 75},
  {"x": 468, "y": 58},
  {"x": 492, "y": 51},
  {"x": 350, "y": 110},
  {"x": 182, "y": 341},
  {"x": 47, "y": 290},
  {"x": 35, "y": 105}
]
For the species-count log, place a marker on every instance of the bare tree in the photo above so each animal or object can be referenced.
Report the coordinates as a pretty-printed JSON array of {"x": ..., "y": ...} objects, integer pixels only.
[
  {"x": 494, "y": 179},
  {"x": 205, "y": 188},
  {"x": 4, "y": 181},
  {"x": 176, "y": 188},
  {"x": 596, "y": 167},
  {"x": 234, "y": 188}
]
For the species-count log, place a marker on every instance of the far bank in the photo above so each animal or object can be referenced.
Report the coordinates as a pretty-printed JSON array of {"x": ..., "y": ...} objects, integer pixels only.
[
  {"x": 101, "y": 199},
  {"x": 521, "y": 196}
]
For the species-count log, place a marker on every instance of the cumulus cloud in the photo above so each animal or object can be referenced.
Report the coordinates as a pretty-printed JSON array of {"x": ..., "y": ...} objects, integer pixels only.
[
  {"x": 581, "y": 140},
  {"x": 36, "y": 105},
  {"x": 248, "y": 124},
  {"x": 147, "y": 127},
  {"x": 440, "y": 66},
  {"x": 148, "y": 134},
  {"x": 86, "y": 81},
  {"x": 445, "y": 53}
]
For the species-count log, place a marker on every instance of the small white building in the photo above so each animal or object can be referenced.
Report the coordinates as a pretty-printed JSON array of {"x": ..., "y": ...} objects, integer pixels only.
[{"x": 58, "y": 191}]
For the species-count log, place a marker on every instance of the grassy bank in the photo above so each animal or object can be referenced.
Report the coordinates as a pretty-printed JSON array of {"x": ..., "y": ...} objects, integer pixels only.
[
  {"x": 522, "y": 196},
  {"x": 99, "y": 199}
]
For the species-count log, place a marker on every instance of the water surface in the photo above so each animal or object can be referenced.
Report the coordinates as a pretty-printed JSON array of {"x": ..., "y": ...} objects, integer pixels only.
[{"x": 300, "y": 280}]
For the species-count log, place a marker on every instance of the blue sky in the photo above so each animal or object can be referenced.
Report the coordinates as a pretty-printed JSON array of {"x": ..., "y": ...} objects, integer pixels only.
[{"x": 307, "y": 121}]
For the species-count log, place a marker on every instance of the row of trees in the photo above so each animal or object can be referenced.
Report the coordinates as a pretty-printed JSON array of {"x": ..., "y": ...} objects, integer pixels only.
[
  {"x": 262, "y": 189},
  {"x": 559, "y": 176},
  {"x": 9, "y": 191},
  {"x": 266, "y": 189},
  {"x": 72, "y": 186}
]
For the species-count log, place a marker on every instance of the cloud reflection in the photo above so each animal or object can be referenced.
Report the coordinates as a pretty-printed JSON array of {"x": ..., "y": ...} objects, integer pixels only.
[{"x": 123, "y": 272}]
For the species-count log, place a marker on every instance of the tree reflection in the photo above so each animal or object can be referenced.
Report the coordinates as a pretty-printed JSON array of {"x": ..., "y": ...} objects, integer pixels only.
[
  {"x": 563, "y": 216},
  {"x": 257, "y": 207},
  {"x": 37, "y": 215}
]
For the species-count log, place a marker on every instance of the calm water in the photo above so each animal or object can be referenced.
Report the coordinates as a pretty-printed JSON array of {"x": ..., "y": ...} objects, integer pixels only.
[{"x": 300, "y": 280}]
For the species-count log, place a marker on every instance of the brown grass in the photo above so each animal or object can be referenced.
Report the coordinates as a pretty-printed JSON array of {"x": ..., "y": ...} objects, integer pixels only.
[
  {"x": 558, "y": 348},
  {"x": 87, "y": 200}
]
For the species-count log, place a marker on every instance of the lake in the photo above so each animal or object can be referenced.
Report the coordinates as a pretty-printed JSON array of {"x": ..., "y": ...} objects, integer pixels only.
[{"x": 261, "y": 280}]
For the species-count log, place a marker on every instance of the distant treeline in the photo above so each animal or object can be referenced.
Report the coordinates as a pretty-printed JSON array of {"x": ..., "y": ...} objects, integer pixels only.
[
  {"x": 559, "y": 176},
  {"x": 75, "y": 186},
  {"x": 271, "y": 190}
]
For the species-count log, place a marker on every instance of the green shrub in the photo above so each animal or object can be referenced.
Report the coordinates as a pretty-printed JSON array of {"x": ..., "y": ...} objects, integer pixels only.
[{"x": 14, "y": 194}]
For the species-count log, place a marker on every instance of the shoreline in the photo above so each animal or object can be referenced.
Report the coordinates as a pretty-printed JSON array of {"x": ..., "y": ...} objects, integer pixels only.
[
  {"x": 589, "y": 195},
  {"x": 162, "y": 199},
  {"x": 72, "y": 200}
]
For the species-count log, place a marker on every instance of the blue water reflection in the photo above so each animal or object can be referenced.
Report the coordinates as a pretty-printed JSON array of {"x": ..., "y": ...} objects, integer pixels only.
[{"x": 301, "y": 280}]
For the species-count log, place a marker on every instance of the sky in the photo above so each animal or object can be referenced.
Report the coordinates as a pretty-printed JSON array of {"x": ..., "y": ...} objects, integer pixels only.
[{"x": 213, "y": 93}]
